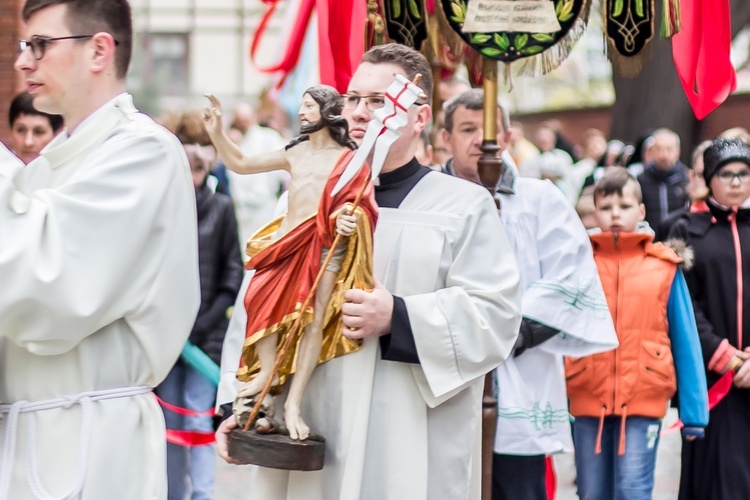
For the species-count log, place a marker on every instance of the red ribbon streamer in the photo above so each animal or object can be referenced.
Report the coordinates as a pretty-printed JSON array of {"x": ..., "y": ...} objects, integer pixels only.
[
  {"x": 701, "y": 54},
  {"x": 294, "y": 47},
  {"x": 184, "y": 411},
  {"x": 341, "y": 39},
  {"x": 716, "y": 393},
  {"x": 190, "y": 438}
]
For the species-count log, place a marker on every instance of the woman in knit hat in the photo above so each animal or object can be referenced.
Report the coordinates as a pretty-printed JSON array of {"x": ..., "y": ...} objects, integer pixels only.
[{"x": 718, "y": 467}]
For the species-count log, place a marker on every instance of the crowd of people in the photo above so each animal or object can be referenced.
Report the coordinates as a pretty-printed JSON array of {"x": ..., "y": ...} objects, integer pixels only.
[{"x": 598, "y": 283}]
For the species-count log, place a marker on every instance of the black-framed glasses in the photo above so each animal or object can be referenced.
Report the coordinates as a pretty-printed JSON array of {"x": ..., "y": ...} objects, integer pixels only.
[
  {"x": 39, "y": 44},
  {"x": 727, "y": 177},
  {"x": 372, "y": 102}
]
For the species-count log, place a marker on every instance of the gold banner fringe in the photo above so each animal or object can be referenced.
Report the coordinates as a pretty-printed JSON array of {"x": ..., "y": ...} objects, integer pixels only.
[
  {"x": 554, "y": 56},
  {"x": 629, "y": 66}
]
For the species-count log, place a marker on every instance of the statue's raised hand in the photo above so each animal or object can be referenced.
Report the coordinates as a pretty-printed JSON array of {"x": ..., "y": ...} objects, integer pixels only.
[{"x": 212, "y": 117}]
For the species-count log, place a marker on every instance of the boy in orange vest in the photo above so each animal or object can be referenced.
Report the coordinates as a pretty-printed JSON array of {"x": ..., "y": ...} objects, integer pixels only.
[{"x": 618, "y": 398}]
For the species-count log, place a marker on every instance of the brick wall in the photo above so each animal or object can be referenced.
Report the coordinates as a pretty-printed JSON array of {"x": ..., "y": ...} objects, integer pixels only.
[{"x": 9, "y": 35}]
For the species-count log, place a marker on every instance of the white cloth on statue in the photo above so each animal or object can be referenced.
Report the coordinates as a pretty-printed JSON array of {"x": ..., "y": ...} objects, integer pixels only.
[
  {"x": 397, "y": 430},
  {"x": 255, "y": 195},
  {"x": 561, "y": 289},
  {"x": 100, "y": 273}
]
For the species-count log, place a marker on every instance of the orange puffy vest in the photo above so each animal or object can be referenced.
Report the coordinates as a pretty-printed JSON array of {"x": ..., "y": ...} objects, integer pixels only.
[{"x": 638, "y": 378}]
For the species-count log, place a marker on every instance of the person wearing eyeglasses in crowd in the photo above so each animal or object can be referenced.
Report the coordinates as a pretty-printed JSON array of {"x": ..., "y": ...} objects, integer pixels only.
[
  {"x": 30, "y": 130},
  {"x": 555, "y": 263},
  {"x": 718, "y": 466},
  {"x": 99, "y": 266}
]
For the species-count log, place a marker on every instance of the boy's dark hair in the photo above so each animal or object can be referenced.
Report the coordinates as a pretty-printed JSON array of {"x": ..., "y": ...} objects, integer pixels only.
[
  {"x": 409, "y": 59},
  {"x": 474, "y": 100},
  {"x": 22, "y": 104},
  {"x": 88, "y": 17},
  {"x": 614, "y": 181}
]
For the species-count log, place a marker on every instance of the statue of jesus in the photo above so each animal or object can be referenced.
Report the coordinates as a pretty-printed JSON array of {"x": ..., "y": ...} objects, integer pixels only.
[{"x": 287, "y": 253}]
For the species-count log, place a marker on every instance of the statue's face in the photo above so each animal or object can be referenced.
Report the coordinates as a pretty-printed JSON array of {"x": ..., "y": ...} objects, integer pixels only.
[{"x": 309, "y": 111}]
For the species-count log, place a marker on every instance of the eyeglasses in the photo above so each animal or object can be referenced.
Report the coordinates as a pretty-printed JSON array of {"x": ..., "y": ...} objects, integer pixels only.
[
  {"x": 727, "y": 177},
  {"x": 39, "y": 44},
  {"x": 372, "y": 102}
]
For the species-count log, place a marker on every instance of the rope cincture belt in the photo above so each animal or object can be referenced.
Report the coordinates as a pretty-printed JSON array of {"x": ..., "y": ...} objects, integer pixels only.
[{"x": 13, "y": 412}]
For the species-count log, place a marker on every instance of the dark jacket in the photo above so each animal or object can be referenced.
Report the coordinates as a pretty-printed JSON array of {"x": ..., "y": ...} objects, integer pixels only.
[
  {"x": 718, "y": 237},
  {"x": 663, "y": 192},
  {"x": 220, "y": 266},
  {"x": 713, "y": 279}
]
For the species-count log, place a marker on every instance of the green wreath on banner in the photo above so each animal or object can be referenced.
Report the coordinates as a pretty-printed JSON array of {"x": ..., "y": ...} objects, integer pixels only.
[{"x": 548, "y": 49}]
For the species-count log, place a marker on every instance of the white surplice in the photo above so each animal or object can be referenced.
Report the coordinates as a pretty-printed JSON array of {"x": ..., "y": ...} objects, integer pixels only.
[
  {"x": 561, "y": 289},
  {"x": 410, "y": 431},
  {"x": 10, "y": 164},
  {"x": 99, "y": 266}
]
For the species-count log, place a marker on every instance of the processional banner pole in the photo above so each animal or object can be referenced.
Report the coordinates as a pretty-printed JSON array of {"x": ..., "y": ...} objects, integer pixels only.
[{"x": 490, "y": 170}]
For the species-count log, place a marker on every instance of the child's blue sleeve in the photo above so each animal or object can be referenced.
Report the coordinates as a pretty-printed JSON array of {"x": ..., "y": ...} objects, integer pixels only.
[{"x": 686, "y": 350}]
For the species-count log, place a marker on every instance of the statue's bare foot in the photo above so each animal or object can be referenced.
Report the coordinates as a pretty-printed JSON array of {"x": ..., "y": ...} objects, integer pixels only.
[
  {"x": 254, "y": 386},
  {"x": 267, "y": 425},
  {"x": 243, "y": 407},
  {"x": 294, "y": 423}
]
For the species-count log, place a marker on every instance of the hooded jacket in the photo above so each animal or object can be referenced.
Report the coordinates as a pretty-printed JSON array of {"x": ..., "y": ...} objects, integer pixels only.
[{"x": 720, "y": 239}]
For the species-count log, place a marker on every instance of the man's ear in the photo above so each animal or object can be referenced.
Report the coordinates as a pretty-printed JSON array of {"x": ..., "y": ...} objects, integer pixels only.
[
  {"x": 103, "y": 57},
  {"x": 445, "y": 136},
  {"x": 424, "y": 115}
]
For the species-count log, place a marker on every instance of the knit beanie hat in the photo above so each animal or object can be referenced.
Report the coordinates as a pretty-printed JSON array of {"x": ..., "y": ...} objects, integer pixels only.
[{"x": 723, "y": 151}]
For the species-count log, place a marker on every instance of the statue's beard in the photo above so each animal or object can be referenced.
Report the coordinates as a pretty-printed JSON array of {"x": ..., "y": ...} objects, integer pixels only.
[{"x": 308, "y": 128}]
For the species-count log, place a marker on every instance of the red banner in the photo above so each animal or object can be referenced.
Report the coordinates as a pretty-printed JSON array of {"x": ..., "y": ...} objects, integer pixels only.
[{"x": 701, "y": 54}]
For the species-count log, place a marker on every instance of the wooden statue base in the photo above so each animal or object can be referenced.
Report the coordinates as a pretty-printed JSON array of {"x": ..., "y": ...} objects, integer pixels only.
[{"x": 277, "y": 451}]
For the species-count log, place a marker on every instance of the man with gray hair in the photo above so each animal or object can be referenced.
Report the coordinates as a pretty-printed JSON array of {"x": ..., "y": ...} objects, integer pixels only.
[
  {"x": 555, "y": 260},
  {"x": 466, "y": 137}
]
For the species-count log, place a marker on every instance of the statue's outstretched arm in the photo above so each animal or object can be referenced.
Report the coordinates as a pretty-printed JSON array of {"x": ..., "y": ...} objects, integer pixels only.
[{"x": 231, "y": 154}]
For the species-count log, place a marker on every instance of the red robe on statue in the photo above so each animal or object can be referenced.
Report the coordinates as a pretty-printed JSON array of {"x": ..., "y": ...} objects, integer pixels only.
[{"x": 286, "y": 269}]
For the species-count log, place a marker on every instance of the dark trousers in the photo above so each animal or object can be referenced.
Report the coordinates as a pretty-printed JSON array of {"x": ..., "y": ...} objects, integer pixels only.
[{"x": 516, "y": 477}]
